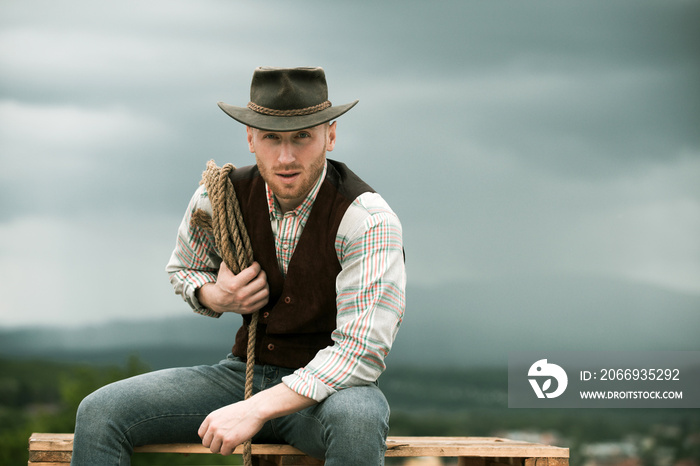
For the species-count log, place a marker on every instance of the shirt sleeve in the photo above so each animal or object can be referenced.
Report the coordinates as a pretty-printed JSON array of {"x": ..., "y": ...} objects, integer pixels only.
[
  {"x": 370, "y": 302},
  {"x": 194, "y": 260}
]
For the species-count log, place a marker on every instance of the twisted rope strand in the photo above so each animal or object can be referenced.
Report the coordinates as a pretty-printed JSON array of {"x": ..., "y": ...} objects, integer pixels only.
[
  {"x": 292, "y": 112},
  {"x": 233, "y": 243}
]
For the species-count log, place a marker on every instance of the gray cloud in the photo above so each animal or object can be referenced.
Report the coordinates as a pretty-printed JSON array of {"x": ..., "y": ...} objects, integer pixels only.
[{"x": 546, "y": 137}]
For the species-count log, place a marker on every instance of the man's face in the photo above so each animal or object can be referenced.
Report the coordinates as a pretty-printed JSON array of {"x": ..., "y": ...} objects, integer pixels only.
[{"x": 291, "y": 162}]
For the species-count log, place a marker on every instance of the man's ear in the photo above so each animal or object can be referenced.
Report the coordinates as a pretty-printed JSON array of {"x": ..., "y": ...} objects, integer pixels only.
[
  {"x": 250, "y": 132},
  {"x": 330, "y": 140}
]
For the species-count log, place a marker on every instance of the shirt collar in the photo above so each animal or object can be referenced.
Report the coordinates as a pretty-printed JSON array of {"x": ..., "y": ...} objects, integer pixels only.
[{"x": 304, "y": 208}]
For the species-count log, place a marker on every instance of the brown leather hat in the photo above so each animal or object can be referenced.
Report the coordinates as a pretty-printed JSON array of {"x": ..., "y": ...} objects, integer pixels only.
[{"x": 287, "y": 99}]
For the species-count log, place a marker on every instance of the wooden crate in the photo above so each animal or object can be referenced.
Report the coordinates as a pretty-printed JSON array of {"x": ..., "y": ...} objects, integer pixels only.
[{"x": 56, "y": 450}]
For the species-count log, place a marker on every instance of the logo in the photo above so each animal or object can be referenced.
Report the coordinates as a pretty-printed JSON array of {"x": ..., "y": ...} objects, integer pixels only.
[{"x": 543, "y": 370}]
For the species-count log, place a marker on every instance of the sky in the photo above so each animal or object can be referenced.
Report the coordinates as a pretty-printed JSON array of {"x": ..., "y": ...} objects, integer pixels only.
[{"x": 513, "y": 139}]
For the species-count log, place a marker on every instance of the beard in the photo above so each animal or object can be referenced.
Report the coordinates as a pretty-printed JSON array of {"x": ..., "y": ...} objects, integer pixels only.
[{"x": 298, "y": 190}]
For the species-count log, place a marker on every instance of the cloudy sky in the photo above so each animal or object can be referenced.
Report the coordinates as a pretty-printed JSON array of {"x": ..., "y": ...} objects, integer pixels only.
[{"x": 514, "y": 139}]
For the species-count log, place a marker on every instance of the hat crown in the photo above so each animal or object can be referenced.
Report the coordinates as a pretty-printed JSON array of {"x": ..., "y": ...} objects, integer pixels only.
[
  {"x": 287, "y": 99},
  {"x": 288, "y": 88}
]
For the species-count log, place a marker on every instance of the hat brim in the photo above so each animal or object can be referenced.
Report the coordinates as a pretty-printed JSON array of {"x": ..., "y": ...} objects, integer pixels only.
[{"x": 277, "y": 123}]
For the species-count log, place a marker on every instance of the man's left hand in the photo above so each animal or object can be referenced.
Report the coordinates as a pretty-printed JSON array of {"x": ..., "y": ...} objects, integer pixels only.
[{"x": 226, "y": 428}]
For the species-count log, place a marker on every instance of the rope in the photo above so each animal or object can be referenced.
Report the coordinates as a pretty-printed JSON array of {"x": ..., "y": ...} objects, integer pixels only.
[
  {"x": 233, "y": 243},
  {"x": 292, "y": 112}
]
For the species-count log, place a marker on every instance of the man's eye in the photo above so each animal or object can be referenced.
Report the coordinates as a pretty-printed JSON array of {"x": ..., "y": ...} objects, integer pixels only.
[
  {"x": 270, "y": 136},
  {"x": 304, "y": 135}
]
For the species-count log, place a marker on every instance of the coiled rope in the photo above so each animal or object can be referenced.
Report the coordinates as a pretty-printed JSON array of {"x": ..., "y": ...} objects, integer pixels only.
[{"x": 233, "y": 243}]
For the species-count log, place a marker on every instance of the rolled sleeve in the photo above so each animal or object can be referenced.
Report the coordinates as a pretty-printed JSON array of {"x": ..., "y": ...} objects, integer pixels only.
[{"x": 194, "y": 261}]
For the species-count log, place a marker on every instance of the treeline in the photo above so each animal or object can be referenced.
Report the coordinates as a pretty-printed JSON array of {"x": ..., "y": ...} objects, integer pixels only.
[{"x": 40, "y": 396}]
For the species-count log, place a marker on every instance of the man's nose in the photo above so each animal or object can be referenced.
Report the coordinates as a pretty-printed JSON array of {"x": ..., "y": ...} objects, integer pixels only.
[{"x": 286, "y": 154}]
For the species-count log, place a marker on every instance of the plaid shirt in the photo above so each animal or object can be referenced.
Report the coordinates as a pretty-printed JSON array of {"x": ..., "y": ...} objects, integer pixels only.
[
  {"x": 287, "y": 227},
  {"x": 370, "y": 289}
]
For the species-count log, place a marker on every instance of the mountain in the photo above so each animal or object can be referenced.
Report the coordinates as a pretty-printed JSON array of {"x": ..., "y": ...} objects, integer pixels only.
[
  {"x": 464, "y": 324},
  {"x": 478, "y": 323}
]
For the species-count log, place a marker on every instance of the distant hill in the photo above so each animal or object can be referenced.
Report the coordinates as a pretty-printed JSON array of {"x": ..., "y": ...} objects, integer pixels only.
[
  {"x": 467, "y": 324},
  {"x": 478, "y": 323},
  {"x": 187, "y": 340}
]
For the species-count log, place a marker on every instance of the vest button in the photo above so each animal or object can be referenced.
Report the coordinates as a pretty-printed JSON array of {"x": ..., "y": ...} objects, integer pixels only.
[
  {"x": 270, "y": 346},
  {"x": 287, "y": 299},
  {"x": 266, "y": 315}
]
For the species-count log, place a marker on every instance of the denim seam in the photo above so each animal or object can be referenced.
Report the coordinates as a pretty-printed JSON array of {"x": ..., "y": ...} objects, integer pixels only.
[{"x": 317, "y": 421}]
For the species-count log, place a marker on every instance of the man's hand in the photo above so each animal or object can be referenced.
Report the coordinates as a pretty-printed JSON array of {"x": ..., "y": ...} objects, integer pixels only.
[
  {"x": 226, "y": 428},
  {"x": 244, "y": 293}
]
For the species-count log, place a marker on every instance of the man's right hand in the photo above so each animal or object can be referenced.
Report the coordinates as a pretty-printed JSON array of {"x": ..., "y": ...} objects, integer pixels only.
[{"x": 244, "y": 293}]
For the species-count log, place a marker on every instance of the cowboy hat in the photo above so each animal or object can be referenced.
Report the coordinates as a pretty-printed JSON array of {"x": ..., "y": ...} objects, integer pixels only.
[{"x": 287, "y": 99}]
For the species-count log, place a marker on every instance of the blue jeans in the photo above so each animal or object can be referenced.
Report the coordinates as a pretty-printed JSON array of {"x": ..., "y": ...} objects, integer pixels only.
[{"x": 168, "y": 406}]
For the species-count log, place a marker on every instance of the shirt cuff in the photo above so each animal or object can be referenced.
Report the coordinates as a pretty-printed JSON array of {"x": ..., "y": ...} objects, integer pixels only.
[
  {"x": 190, "y": 297},
  {"x": 303, "y": 382}
]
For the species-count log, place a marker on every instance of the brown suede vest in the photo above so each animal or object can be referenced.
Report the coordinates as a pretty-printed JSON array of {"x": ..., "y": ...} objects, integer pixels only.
[{"x": 301, "y": 313}]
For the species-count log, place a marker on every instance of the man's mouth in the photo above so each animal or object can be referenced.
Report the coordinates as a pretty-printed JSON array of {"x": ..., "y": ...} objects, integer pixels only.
[{"x": 288, "y": 176}]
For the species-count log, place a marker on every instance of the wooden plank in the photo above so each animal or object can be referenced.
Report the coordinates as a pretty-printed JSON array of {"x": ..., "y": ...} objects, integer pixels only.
[
  {"x": 53, "y": 442},
  {"x": 46, "y": 464},
  {"x": 185, "y": 448},
  {"x": 478, "y": 447},
  {"x": 547, "y": 462},
  {"x": 470, "y": 446},
  {"x": 196, "y": 448},
  {"x": 50, "y": 456},
  {"x": 64, "y": 442}
]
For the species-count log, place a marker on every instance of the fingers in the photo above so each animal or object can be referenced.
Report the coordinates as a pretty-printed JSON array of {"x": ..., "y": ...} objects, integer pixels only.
[
  {"x": 202, "y": 431},
  {"x": 217, "y": 440},
  {"x": 255, "y": 293},
  {"x": 258, "y": 292},
  {"x": 209, "y": 440},
  {"x": 247, "y": 291},
  {"x": 249, "y": 273},
  {"x": 207, "y": 432},
  {"x": 240, "y": 280}
]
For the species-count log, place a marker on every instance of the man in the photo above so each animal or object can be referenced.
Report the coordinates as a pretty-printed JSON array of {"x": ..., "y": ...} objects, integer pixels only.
[{"x": 329, "y": 283}]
